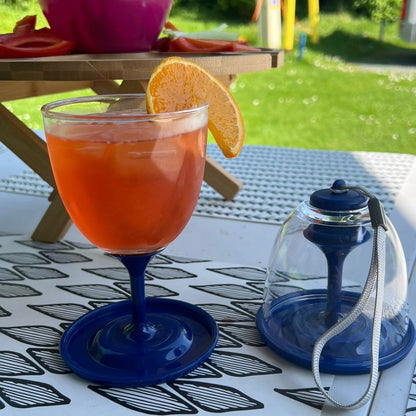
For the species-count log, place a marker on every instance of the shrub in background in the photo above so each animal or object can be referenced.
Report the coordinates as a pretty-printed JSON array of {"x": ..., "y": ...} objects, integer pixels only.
[
  {"x": 227, "y": 9},
  {"x": 381, "y": 11}
]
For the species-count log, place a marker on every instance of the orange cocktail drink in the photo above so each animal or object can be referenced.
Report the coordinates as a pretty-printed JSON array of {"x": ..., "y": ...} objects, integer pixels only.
[
  {"x": 129, "y": 168},
  {"x": 129, "y": 180}
]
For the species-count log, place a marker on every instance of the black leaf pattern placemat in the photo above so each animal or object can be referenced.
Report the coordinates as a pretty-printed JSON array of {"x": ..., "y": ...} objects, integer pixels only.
[{"x": 44, "y": 288}]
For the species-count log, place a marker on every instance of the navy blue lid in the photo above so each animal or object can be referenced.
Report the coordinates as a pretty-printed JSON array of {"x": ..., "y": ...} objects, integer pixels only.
[{"x": 337, "y": 198}]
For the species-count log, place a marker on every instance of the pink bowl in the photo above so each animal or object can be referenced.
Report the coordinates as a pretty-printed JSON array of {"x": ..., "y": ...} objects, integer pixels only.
[{"x": 107, "y": 26}]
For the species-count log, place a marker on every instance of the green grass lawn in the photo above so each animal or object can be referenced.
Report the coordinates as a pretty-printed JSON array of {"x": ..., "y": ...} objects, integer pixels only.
[
  {"x": 326, "y": 100},
  {"x": 312, "y": 104}
]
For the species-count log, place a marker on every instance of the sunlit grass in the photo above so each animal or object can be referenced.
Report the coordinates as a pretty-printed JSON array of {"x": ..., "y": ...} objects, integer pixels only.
[
  {"x": 307, "y": 106},
  {"x": 11, "y": 14}
]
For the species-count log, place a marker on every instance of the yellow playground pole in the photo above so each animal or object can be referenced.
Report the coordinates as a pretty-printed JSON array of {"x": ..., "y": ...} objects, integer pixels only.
[
  {"x": 289, "y": 24},
  {"x": 313, "y": 11}
]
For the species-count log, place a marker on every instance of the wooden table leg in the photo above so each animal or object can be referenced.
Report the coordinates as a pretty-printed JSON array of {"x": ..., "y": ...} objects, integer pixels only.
[
  {"x": 105, "y": 87},
  {"x": 221, "y": 180},
  {"x": 32, "y": 150},
  {"x": 25, "y": 144},
  {"x": 54, "y": 223}
]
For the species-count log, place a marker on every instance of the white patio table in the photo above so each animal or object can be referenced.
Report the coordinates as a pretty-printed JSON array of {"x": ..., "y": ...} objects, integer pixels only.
[{"x": 218, "y": 263}]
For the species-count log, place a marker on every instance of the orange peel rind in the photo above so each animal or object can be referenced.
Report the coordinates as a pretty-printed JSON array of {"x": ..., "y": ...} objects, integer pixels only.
[{"x": 179, "y": 84}]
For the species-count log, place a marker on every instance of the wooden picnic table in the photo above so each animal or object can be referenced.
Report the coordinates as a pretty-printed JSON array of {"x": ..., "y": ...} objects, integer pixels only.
[{"x": 104, "y": 74}]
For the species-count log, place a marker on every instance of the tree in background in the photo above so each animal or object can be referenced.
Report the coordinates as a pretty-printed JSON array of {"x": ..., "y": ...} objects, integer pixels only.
[
  {"x": 228, "y": 9},
  {"x": 382, "y": 11}
]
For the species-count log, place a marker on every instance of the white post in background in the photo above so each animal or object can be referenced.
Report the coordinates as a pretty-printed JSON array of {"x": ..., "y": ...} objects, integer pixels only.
[{"x": 270, "y": 25}]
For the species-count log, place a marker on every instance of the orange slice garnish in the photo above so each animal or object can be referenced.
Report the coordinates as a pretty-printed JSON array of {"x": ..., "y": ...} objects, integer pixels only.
[{"x": 179, "y": 84}]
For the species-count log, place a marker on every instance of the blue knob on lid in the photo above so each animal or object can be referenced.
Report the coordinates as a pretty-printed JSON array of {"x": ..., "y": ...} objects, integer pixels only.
[{"x": 337, "y": 198}]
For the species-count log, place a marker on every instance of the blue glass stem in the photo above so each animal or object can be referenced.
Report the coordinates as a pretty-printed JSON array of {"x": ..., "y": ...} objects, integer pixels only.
[
  {"x": 335, "y": 260},
  {"x": 136, "y": 265},
  {"x": 336, "y": 243}
]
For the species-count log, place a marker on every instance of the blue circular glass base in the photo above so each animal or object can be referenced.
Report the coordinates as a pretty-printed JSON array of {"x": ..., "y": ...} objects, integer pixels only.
[
  {"x": 103, "y": 346},
  {"x": 296, "y": 321}
]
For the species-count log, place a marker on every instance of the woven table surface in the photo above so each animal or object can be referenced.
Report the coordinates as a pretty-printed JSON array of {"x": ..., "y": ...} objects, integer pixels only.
[{"x": 276, "y": 180}]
